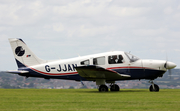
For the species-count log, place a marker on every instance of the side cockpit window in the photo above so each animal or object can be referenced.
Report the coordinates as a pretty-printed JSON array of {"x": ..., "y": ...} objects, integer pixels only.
[
  {"x": 115, "y": 59},
  {"x": 99, "y": 61},
  {"x": 86, "y": 62}
]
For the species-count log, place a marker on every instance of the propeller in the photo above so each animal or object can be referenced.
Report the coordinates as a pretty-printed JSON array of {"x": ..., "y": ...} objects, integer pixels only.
[
  {"x": 169, "y": 70},
  {"x": 169, "y": 65}
]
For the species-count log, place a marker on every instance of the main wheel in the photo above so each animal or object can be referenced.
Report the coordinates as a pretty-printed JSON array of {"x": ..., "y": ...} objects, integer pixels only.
[
  {"x": 103, "y": 88},
  {"x": 155, "y": 89},
  {"x": 114, "y": 87}
]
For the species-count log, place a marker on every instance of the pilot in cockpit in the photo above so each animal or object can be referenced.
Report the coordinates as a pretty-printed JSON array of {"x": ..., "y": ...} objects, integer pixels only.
[{"x": 116, "y": 59}]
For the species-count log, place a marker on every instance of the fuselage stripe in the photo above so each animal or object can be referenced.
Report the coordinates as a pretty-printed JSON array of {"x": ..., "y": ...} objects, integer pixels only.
[{"x": 55, "y": 74}]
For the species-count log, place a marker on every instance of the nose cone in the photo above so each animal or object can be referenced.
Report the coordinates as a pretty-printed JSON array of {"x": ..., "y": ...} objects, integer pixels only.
[{"x": 170, "y": 65}]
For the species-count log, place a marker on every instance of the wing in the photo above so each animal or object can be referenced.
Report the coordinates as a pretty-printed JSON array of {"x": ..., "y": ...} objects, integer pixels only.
[{"x": 96, "y": 72}]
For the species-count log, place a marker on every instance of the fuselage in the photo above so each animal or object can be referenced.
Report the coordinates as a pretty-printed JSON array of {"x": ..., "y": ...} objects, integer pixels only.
[{"x": 118, "y": 61}]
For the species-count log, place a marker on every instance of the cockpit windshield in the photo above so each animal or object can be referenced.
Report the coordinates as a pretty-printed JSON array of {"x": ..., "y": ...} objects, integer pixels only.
[{"x": 131, "y": 57}]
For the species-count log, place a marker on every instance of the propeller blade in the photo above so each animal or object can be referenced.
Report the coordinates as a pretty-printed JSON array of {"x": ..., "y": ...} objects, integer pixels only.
[
  {"x": 170, "y": 73},
  {"x": 169, "y": 66}
]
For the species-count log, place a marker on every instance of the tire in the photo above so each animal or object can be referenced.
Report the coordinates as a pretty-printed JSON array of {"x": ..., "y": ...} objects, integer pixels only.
[
  {"x": 114, "y": 87},
  {"x": 103, "y": 88},
  {"x": 156, "y": 88}
]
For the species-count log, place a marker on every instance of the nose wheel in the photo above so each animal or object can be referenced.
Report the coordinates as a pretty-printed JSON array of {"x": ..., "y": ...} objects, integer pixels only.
[{"x": 153, "y": 87}]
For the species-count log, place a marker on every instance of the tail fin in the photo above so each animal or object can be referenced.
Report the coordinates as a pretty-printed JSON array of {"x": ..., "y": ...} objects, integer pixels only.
[{"x": 23, "y": 55}]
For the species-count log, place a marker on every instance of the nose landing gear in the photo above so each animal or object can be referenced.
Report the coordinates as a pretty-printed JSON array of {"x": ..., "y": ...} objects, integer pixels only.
[{"x": 153, "y": 87}]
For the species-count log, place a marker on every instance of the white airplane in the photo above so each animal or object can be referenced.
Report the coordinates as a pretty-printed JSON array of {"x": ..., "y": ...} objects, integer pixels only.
[{"x": 103, "y": 68}]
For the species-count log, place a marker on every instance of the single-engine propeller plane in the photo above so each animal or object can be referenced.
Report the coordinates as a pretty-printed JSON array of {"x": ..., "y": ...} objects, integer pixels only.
[{"x": 103, "y": 68}]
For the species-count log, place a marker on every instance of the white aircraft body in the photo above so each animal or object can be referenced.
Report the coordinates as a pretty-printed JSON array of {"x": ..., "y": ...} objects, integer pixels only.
[{"x": 103, "y": 68}]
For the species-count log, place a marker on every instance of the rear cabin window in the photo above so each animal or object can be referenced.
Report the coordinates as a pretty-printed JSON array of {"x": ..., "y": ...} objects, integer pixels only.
[
  {"x": 86, "y": 62},
  {"x": 115, "y": 59},
  {"x": 99, "y": 61}
]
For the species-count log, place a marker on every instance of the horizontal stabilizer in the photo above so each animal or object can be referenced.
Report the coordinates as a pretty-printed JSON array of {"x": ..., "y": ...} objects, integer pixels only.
[{"x": 17, "y": 72}]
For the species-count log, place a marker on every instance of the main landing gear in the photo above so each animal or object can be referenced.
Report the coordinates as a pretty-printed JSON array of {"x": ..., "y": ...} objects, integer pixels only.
[
  {"x": 153, "y": 87},
  {"x": 114, "y": 87},
  {"x": 104, "y": 88}
]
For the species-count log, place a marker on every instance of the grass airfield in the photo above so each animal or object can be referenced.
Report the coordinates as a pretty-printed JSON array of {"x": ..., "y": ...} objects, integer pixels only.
[{"x": 89, "y": 99}]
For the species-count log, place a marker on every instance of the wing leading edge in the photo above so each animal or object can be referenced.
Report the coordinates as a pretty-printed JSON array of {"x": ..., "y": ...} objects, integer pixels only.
[{"x": 96, "y": 72}]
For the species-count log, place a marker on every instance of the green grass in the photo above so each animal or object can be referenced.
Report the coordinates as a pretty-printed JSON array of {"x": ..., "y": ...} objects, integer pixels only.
[{"x": 89, "y": 99}]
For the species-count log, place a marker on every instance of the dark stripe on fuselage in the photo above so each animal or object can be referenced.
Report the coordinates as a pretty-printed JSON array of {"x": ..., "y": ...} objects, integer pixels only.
[
  {"x": 134, "y": 73},
  {"x": 139, "y": 72},
  {"x": 68, "y": 76}
]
